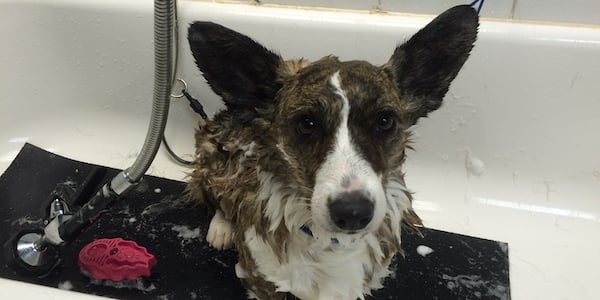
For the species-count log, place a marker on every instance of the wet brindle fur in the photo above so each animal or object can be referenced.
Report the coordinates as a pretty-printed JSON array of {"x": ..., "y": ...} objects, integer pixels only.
[{"x": 259, "y": 139}]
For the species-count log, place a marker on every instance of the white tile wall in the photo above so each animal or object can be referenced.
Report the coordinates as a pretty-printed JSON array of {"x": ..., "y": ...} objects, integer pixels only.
[
  {"x": 347, "y": 4},
  {"x": 491, "y": 8},
  {"x": 569, "y": 11},
  {"x": 572, "y": 11}
]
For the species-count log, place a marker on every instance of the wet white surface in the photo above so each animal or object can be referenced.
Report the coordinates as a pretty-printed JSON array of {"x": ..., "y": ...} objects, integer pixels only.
[{"x": 76, "y": 79}]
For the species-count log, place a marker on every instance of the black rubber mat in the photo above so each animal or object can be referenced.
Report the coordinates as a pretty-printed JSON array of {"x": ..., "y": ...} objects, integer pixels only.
[{"x": 154, "y": 216}]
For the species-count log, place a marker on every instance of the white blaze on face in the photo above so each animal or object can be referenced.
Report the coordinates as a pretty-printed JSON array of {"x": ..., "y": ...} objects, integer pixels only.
[{"x": 344, "y": 170}]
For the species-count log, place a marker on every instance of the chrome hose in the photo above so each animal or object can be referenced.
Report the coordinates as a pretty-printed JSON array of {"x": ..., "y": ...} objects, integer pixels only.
[
  {"x": 65, "y": 227},
  {"x": 164, "y": 11}
]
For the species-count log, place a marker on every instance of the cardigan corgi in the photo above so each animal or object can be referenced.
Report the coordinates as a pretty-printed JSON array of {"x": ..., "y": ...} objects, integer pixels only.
[{"x": 303, "y": 168}]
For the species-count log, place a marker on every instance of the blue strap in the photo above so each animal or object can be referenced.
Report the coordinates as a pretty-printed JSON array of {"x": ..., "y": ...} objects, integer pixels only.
[
  {"x": 480, "y": 5},
  {"x": 306, "y": 230}
]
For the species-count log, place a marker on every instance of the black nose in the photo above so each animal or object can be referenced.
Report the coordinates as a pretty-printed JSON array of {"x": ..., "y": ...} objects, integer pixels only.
[{"x": 351, "y": 211}]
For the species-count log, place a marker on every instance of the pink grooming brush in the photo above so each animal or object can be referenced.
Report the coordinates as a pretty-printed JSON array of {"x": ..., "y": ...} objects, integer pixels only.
[{"x": 116, "y": 260}]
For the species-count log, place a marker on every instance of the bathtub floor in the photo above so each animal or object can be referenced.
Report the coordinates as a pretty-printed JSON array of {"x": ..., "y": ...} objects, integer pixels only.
[{"x": 459, "y": 267}]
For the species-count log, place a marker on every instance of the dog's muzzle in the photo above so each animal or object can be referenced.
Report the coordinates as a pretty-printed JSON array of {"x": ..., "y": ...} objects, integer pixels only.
[{"x": 351, "y": 211}]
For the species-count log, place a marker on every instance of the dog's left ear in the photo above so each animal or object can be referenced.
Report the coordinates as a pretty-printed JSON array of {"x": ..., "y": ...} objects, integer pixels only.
[
  {"x": 425, "y": 65},
  {"x": 240, "y": 70}
]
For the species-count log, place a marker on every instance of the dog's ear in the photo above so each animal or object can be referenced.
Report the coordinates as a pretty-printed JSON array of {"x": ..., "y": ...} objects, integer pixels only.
[
  {"x": 240, "y": 70},
  {"x": 424, "y": 66}
]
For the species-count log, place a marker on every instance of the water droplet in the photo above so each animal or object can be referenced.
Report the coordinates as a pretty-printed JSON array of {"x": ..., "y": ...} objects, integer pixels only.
[{"x": 474, "y": 165}]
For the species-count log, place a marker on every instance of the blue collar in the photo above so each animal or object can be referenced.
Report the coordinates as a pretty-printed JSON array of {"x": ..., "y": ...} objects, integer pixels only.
[{"x": 307, "y": 230}]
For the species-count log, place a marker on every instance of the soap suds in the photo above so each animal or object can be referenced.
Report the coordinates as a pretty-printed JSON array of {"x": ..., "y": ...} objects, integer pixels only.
[
  {"x": 65, "y": 285},
  {"x": 186, "y": 234},
  {"x": 26, "y": 220},
  {"x": 166, "y": 204},
  {"x": 126, "y": 284},
  {"x": 424, "y": 250},
  {"x": 474, "y": 165},
  {"x": 476, "y": 286},
  {"x": 69, "y": 183},
  {"x": 137, "y": 284}
]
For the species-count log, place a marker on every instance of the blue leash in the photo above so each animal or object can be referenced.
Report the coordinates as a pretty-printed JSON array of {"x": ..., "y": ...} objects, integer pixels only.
[{"x": 478, "y": 7}]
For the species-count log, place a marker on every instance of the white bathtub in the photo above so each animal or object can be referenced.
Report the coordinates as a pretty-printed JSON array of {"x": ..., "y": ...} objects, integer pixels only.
[{"x": 76, "y": 79}]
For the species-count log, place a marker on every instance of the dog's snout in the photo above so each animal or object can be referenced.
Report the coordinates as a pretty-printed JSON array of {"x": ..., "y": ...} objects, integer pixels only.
[{"x": 351, "y": 211}]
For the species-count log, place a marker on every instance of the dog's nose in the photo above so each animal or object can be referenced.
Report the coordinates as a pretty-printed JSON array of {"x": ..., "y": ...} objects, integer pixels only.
[{"x": 351, "y": 211}]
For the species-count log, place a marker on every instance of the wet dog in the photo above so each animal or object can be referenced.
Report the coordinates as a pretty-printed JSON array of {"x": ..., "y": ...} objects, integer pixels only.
[{"x": 303, "y": 169}]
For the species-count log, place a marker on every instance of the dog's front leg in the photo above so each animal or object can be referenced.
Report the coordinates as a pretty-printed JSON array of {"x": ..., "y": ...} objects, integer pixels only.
[{"x": 220, "y": 232}]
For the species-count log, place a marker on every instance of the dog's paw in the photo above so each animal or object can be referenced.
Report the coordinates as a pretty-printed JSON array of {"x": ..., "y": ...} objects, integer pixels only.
[{"x": 220, "y": 232}]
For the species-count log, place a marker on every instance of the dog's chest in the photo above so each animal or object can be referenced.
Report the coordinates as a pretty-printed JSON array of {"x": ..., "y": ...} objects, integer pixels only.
[{"x": 311, "y": 272}]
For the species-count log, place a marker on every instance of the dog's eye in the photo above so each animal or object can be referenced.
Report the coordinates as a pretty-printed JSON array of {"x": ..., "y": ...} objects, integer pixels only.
[
  {"x": 385, "y": 122},
  {"x": 306, "y": 126}
]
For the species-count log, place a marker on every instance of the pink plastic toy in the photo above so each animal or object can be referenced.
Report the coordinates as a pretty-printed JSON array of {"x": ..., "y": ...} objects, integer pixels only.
[{"x": 116, "y": 259}]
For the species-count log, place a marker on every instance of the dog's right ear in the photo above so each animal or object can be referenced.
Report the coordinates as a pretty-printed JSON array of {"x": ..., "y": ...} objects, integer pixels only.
[{"x": 240, "y": 70}]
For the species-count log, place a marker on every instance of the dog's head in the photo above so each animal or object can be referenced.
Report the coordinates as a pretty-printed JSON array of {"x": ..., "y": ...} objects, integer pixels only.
[{"x": 338, "y": 128}]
